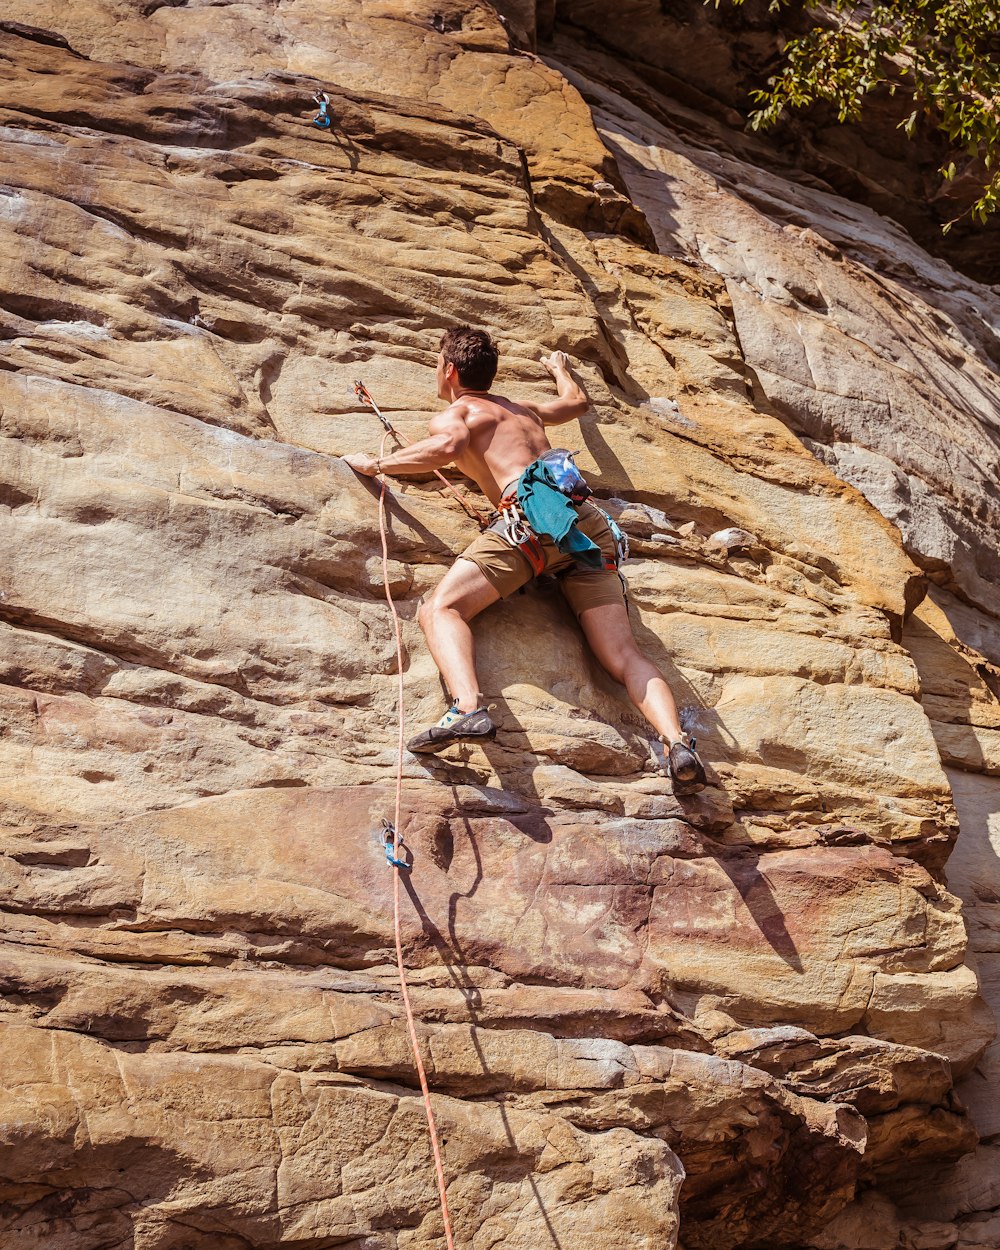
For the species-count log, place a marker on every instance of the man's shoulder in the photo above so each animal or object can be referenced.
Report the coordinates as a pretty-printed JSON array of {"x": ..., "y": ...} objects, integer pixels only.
[
  {"x": 467, "y": 406},
  {"x": 458, "y": 410},
  {"x": 502, "y": 405}
]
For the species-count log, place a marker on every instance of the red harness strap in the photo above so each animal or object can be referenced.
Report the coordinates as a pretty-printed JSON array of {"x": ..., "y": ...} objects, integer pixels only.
[{"x": 512, "y": 526}]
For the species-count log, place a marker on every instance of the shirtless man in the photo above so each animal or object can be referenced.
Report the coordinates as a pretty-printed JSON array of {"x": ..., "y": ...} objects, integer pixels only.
[{"x": 494, "y": 441}]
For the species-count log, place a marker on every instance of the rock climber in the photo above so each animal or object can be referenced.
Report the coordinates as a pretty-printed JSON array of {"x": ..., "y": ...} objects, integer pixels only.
[{"x": 544, "y": 523}]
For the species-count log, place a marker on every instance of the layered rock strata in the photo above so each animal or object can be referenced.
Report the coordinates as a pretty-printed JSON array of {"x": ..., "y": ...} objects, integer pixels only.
[{"x": 718, "y": 1020}]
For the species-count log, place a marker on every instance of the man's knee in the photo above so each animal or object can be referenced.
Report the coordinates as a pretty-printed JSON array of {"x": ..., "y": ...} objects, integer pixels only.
[
  {"x": 615, "y": 666},
  {"x": 438, "y": 601},
  {"x": 463, "y": 590},
  {"x": 624, "y": 659}
]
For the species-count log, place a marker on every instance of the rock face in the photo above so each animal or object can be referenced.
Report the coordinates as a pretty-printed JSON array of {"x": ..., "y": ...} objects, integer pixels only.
[{"x": 735, "y": 1020}]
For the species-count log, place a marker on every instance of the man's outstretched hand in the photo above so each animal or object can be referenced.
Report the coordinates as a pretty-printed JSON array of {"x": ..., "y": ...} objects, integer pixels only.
[
  {"x": 361, "y": 462},
  {"x": 555, "y": 362}
]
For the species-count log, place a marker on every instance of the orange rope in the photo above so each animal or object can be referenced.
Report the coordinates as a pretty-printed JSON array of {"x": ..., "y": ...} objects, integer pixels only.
[{"x": 404, "y": 991}]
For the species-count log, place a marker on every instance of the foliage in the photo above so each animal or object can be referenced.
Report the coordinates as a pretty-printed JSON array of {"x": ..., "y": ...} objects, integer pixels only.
[{"x": 943, "y": 54}]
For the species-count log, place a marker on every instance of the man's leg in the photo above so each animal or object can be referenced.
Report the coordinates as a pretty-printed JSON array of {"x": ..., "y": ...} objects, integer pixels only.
[
  {"x": 461, "y": 594},
  {"x": 609, "y": 633}
]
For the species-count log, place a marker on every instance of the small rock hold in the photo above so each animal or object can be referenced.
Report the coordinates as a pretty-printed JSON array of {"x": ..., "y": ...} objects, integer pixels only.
[
  {"x": 400, "y": 576},
  {"x": 660, "y": 403},
  {"x": 733, "y": 538},
  {"x": 669, "y": 408}
]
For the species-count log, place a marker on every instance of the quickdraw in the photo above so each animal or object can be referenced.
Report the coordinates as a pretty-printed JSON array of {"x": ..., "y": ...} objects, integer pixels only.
[
  {"x": 392, "y": 843},
  {"x": 322, "y": 119},
  {"x": 362, "y": 393}
]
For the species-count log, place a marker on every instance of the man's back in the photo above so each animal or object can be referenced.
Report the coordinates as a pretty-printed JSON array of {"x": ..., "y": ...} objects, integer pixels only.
[{"x": 504, "y": 438}]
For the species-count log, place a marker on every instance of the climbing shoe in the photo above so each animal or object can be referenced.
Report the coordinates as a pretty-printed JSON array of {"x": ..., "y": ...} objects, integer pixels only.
[
  {"x": 454, "y": 726},
  {"x": 686, "y": 770}
]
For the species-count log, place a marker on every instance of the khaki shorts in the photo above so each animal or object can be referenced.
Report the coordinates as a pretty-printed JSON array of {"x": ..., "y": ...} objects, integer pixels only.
[{"x": 508, "y": 570}]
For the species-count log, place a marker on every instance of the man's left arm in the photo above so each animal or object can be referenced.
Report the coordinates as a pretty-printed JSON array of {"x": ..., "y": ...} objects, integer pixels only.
[
  {"x": 447, "y": 438},
  {"x": 572, "y": 401}
]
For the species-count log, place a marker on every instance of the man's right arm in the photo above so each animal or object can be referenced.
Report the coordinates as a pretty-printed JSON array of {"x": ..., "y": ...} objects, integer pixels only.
[
  {"x": 572, "y": 401},
  {"x": 448, "y": 437}
]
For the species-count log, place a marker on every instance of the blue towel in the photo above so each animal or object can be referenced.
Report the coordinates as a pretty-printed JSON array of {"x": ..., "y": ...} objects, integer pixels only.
[{"x": 548, "y": 511}]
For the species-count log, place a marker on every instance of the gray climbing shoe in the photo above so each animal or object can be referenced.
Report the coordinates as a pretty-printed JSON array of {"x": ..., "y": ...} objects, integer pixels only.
[
  {"x": 686, "y": 770},
  {"x": 454, "y": 726}
]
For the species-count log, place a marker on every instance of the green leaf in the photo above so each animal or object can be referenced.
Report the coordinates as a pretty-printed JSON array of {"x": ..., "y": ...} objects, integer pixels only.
[{"x": 939, "y": 54}]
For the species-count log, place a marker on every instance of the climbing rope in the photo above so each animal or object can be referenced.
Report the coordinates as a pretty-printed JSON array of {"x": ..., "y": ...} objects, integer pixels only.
[
  {"x": 470, "y": 509},
  {"x": 393, "y": 842}
]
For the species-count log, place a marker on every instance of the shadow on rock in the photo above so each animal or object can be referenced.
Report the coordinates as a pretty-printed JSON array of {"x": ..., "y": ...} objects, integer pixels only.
[{"x": 762, "y": 904}]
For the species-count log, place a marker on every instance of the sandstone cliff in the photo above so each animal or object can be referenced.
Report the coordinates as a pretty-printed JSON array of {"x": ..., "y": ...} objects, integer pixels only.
[{"x": 748, "y": 1019}]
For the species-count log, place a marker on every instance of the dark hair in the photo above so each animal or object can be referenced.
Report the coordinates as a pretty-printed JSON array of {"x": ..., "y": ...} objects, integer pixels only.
[{"x": 474, "y": 355}]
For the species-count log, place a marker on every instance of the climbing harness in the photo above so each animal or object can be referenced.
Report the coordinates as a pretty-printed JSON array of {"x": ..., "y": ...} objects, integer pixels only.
[
  {"x": 322, "y": 119},
  {"x": 392, "y": 838},
  {"x": 513, "y": 527},
  {"x": 470, "y": 510},
  {"x": 515, "y": 530}
]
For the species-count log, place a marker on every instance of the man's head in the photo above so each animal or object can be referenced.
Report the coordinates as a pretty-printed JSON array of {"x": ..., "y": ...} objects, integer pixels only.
[{"x": 468, "y": 359}]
